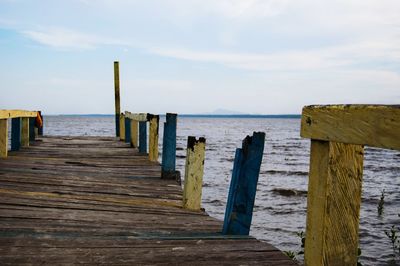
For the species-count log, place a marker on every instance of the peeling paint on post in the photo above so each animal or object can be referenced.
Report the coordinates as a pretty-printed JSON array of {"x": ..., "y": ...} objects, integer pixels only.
[
  {"x": 242, "y": 191},
  {"x": 153, "y": 137},
  {"x": 169, "y": 148},
  {"x": 134, "y": 133},
  {"x": 117, "y": 99},
  {"x": 40, "y": 129},
  {"x": 25, "y": 132},
  {"x": 15, "y": 134},
  {"x": 122, "y": 127},
  {"x": 142, "y": 137},
  {"x": 32, "y": 129},
  {"x": 194, "y": 170},
  {"x": 127, "y": 130},
  {"x": 3, "y": 138}
]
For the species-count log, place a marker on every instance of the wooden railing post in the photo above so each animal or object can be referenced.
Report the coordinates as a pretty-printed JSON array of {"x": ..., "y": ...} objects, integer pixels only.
[
  {"x": 3, "y": 138},
  {"x": 134, "y": 133},
  {"x": 142, "y": 137},
  {"x": 127, "y": 130},
  {"x": 40, "y": 129},
  {"x": 333, "y": 203},
  {"x": 32, "y": 129},
  {"x": 122, "y": 127},
  {"x": 169, "y": 148},
  {"x": 194, "y": 169},
  {"x": 153, "y": 137},
  {"x": 243, "y": 187},
  {"x": 25, "y": 132},
  {"x": 15, "y": 134},
  {"x": 117, "y": 99}
]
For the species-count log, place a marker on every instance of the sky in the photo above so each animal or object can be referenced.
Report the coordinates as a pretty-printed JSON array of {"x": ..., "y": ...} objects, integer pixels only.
[{"x": 196, "y": 56}]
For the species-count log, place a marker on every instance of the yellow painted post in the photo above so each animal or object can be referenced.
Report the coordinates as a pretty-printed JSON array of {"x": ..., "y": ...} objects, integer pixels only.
[
  {"x": 333, "y": 203},
  {"x": 194, "y": 169},
  {"x": 153, "y": 137},
  {"x": 122, "y": 127},
  {"x": 25, "y": 132},
  {"x": 134, "y": 133},
  {"x": 3, "y": 138}
]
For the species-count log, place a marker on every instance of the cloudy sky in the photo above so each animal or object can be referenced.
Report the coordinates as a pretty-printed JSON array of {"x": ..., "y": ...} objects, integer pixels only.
[{"x": 195, "y": 56}]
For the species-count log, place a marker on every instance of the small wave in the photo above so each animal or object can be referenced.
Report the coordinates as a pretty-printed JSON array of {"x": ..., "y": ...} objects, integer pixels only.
[
  {"x": 289, "y": 192},
  {"x": 286, "y": 173}
]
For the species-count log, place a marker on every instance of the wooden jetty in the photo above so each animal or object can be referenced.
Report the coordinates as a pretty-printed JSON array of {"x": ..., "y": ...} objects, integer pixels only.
[{"x": 96, "y": 200}]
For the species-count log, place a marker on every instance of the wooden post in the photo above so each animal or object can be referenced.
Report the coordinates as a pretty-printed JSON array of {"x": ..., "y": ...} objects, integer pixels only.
[
  {"x": 333, "y": 203},
  {"x": 32, "y": 129},
  {"x": 134, "y": 133},
  {"x": 153, "y": 137},
  {"x": 127, "y": 130},
  {"x": 15, "y": 134},
  {"x": 117, "y": 99},
  {"x": 40, "y": 129},
  {"x": 122, "y": 127},
  {"x": 25, "y": 132},
  {"x": 169, "y": 148},
  {"x": 194, "y": 169},
  {"x": 3, "y": 138},
  {"x": 242, "y": 192},
  {"x": 142, "y": 137}
]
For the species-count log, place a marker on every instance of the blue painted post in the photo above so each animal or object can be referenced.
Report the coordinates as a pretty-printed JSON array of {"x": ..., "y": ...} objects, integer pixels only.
[
  {"x": 142, "y": 137},
  {"x": 40, "y": 129},
  {"x": 169, "y": 148},
  {"x": 242, "y": 191},
  {"x": 127, "y": 130},
  {"x": 32, "y": 128},
  {"x": 16, "y": 134}
]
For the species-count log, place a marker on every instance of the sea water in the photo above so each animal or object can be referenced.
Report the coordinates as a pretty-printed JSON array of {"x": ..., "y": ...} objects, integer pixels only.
[{"x": 281, "y": 200}]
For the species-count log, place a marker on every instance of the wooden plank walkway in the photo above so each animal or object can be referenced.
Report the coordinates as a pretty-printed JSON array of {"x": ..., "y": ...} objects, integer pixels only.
[{"x": 95, "y": 200}]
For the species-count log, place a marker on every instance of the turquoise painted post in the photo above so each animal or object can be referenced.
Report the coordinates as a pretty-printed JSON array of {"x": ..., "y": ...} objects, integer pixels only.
[
  {"x": 169, "y": 148},
  {"x": 40, "y": 129},
  {"x": 142, "y": 137},
  {"x": 16, "y": 133},
  {"x": 127, "y": 130},
  {"x": 242, "y": 191},
  {"x": 32, "y": 128}
]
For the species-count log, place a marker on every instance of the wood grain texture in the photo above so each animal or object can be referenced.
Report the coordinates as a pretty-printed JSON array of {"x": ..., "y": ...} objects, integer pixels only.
[
  {"x": 122, "y": 127},
  {"x": 4, "y": 114},
  {"x": 333, "y": 203},
  {"x": 194, "y": 169},
  {"x": 153, "y": 138},
  {"x": 95, "y": 200},
  {"x": 136, "y": 116},
  {"x": 24, "y": 132},
  {"x": 372, "y": 125},
  {"x": 3, "y": 138},
  {"x": 168, "y": 166},
  {"x": 117, "y": 98},
  {"x": 134, "y": 133}
]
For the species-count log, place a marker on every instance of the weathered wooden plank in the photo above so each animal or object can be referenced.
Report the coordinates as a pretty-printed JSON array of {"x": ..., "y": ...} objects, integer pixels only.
[
  {"x": 24, "y": 132},
  {"x": 143, "y": 136},
  {"x": 242, "y": 192},
  {"x": 117, "y": 98},
  {"x": 134, "y": 133},
  {"x": 127, "y": 130},
  {"x": 194, "y": 169},
  {"x": 333, "y": 203},
  {"x": 153, "y": 137},
  {"x": 15, "y": 134},
  {"x": 169, "y": 147},
  {"x": 372, "y": 125},
  {"x": 122, "y": 127},
  {"x": 140, "y": 117},
  {"x": 5, "y": 114},
  {"x": 3, "y": 138}
]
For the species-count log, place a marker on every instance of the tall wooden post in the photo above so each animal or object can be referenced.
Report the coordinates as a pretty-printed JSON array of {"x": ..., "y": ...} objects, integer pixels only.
[
  {"x": 127, "y": 130},
  {"x": 122, "y": 127},
  {"x": 142, "y": 137},
  {"x": 117, "y": 99},
  {"x": 153, "y": 137},
  {"x": 194, "y": 169},
  {"x": 169, "y": 148},
  {"x": 333, "y": 203},
  {"x": 32, "y": 129},
  {"x": 134, "y": 133},
  {"x": 15, "y": 134},
  {"x": 25, "y": 131},
  {"x": 3, "y": 138},
  {"x": 242, "y": 191}
]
